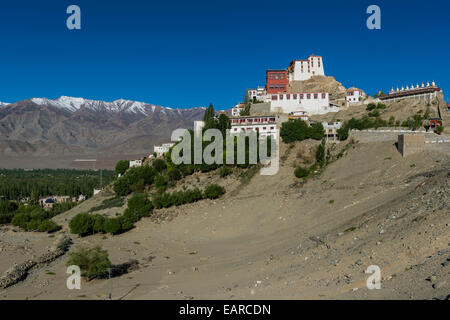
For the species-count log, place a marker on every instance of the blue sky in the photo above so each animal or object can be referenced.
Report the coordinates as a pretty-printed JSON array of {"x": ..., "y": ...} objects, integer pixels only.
[{"x": 190, "y": 53}]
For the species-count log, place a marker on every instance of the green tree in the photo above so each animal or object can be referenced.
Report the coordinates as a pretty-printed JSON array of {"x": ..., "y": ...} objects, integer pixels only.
[
  {"x": 81, "y": 224},
  {"x": 320, "y": 153},
  {"x": 122, "y": 166},
  {"x": 224, "y": 123},
  {"x": 93, "y": 262}
]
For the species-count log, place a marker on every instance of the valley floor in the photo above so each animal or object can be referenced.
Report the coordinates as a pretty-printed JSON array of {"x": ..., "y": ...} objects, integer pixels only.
[{"x": 278, "y": 238}]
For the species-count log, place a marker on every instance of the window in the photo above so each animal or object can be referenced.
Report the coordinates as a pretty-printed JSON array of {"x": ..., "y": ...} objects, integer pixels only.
[
  {"x": 324, "y": 95},
  {"x": 276, "y": 77},
  {"x": 288, "y": 96},
  {"x": 282, "y": 87},
  {"x": 274, "y": 97},
  {"x": 308, "y": 96},
  {"x": 271, "y": 128},
  {"x": 271, "y": 87},
  {"x": 281, "y": 97},
  {"x": 264, "y": 128},
  {"x": 316, "y": 96},
  {"x": 271, "y": 76},
  {"x": 301, "y": 96},
  {"x": 281, "y": 76},
  {"x": 294, "y": 96}
]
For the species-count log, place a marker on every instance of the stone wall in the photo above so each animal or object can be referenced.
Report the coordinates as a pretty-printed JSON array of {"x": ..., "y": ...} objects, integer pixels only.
[{"x": 410, "y": 143}]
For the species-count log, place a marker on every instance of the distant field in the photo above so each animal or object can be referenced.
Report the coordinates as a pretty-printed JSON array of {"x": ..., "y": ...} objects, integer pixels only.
[
  {"x": 17, "y": 184},
  {"x": 65, "y": 162}
]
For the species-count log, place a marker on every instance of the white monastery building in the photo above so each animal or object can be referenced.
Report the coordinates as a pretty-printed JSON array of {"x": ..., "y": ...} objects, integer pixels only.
[
  {"x": 300, "y": 70},
  {"x": 236, "y": 110},
  {"x": 256, "y": 94},
  {"x": 427, "y": 93},
  {"x": 162, "y": 149},
  {"x": 135, "y": 163},
  {"x": 354, "y": 95},
  {"x": 309, "y": 102},
  {"x": 264, "y": 124}
]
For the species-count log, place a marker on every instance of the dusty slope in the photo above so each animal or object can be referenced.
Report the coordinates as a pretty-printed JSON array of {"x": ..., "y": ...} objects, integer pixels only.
[{"x": 279, "y": 239}]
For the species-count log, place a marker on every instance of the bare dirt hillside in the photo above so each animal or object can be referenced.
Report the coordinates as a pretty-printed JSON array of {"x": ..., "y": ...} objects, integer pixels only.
[
  {"x": 401, "y": 110},
  {"x": 278, "y": 238},
  {"x": 319, "y": 83}
]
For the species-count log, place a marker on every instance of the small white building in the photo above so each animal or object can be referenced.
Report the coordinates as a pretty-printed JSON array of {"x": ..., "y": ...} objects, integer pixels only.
[
  {"x": 135, "y": 163},
  {"x": 257, "y": 94},
  {"x": 302, "y": 115},
  {"x": 300, "y": 70},
  {"x": 264, "y": 124},
  {"x": 162, "y": 149},
  {"x": 330, "y": 129},
  {"x": 237, "y": 109},
  {"x": 309, "y": 102},
  {"x": 354, "y": 95}
]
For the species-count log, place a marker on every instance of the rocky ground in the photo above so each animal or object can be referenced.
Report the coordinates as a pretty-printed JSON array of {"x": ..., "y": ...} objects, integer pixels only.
[{"x": 277, "y": 237}]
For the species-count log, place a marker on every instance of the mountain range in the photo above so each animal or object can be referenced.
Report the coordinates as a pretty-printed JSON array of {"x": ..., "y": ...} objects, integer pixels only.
[{"x": 67, "y": 126}]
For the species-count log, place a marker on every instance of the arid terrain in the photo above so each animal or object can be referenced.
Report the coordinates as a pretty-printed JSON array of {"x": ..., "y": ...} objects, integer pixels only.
[{"x": 275, "y": 237}]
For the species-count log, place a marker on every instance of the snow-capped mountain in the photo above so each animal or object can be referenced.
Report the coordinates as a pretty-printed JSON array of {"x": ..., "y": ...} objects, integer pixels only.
[
  {"x": 67, "y": 125},
  {"x": 72, "y": 104},
  {"x": 3, "y": 104}
]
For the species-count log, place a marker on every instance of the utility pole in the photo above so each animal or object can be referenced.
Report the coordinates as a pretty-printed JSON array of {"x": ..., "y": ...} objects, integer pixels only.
[{"x": 110, "y": 285}]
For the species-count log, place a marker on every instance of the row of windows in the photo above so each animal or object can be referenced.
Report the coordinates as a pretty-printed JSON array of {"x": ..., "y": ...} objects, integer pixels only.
[
  {"x": 276, "y": 76},
  {"x": 250, "y": 120},
  {"x": 301, "y": 95},
  {"x": 276, "y": 87},
  {"x": 256, "y": 129}
]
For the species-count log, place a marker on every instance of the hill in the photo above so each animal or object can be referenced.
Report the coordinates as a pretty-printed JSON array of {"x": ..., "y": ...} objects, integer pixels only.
[{"x": 277, "y": 237}]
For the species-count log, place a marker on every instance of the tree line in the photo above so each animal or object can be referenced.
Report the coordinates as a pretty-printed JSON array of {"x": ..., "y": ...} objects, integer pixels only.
[{"x": 18, "y": 184}]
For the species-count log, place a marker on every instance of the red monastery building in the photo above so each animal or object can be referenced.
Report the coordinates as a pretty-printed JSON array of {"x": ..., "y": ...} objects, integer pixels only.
[{"x": 277, "y": 81}]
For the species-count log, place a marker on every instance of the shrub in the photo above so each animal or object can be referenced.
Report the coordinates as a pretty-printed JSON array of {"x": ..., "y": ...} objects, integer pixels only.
[
  {"x": 109, "y": 203},
  {"x": 21, "y": 220},
  {"x": 294, "y": 130},
  {"x": 112, "y": 225},
  {"x": 159, "y": 165},
  {"x": 161, "y": 181},
  {"x": 134, "y": 179},
  {"x": 320, "y": 153},
  {"x": 174, "y": 174},
  {"x": 126, "y": 223},
  {"x": 214, "y": 191},
  {"x": 122, "y": 166},
  {"x": 301, "y": 172},
  {"x": 93, "y": 262},
  {"x": 82, "y": 224},
  {"x": 316, "y": 131},
  {"x": 439, "y": 129},
  {"x": 225, "y": 171},
  {"x": 7, "y": 209},
  {"x": 98, "y": 222},
  {"x": 138, "y": 206},
  {"x": 122, "y": 187},
  {"x": 48, "y": 225}
]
